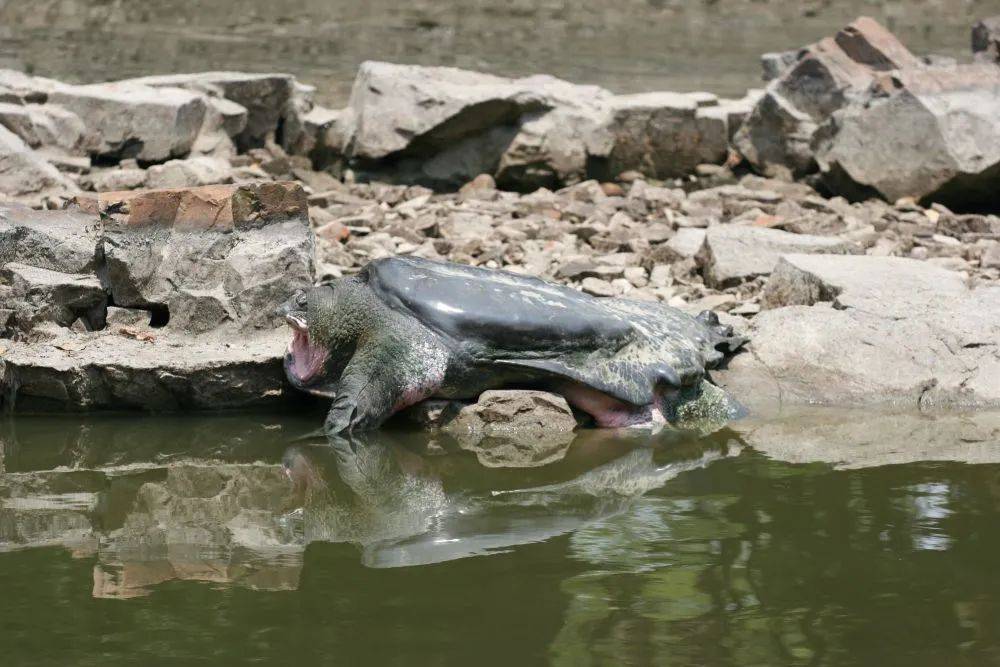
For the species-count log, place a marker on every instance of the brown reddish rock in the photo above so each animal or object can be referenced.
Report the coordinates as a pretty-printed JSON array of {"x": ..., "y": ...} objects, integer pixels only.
[{"x": 218, "y": 207}]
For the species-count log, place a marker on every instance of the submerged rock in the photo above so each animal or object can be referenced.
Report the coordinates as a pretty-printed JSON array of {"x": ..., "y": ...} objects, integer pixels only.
[{"x": 514, "y": 428}]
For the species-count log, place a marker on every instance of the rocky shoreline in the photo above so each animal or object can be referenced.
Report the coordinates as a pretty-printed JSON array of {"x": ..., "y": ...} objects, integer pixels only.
[{"x": 845, "y": 217}]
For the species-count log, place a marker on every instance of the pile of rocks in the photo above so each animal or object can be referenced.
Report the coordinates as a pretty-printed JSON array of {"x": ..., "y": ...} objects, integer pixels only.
[{"x": 709, "y": 248}]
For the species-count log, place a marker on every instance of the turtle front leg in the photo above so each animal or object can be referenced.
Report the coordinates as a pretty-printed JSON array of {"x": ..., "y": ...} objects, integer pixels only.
[
  {"x": 367, "y": 394},
  {"x": 364, "y": 398}
]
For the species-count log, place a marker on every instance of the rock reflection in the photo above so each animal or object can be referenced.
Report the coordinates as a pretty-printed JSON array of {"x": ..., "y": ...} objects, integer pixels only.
[
  {"x": 193, "y": 514},
  {"x": 864, "y": 439}
]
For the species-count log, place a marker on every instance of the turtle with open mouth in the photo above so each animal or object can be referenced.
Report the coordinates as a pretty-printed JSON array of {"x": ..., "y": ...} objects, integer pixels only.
[{"x": 406, "y": 329}]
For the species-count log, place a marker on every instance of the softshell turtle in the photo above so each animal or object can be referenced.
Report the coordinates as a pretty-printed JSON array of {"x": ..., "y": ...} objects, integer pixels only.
[{"x": 406, "y": 329}]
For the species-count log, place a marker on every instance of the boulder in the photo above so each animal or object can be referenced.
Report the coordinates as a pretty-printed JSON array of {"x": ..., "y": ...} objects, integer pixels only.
[
  {"x": 869, "y": 331},
  {"x": 776, "y": 136},
  {"x": 194, "y": 291},
  {"x": 514, "y": 428},
  {"x": 207, "y": 257},
  {"x": 442, "y": 126},
  {"x": 665, "y": 135},
  {"x": 130, "y": 120},
  {"x": 46, "y": 126},
  {"x": 461, "y": 123},
  {"x": 986, "y": 40},
  {"x": 930, "y": 134},
  {"x": 734, "y": 253},
  {"x": 263, "y": 96},
  {"x": 25, "y": 174}
]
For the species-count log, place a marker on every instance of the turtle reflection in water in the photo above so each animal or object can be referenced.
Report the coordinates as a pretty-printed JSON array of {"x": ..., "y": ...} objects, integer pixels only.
[
  {"x": 404, "y": 509},
  {"x": 407, "y": 329}
]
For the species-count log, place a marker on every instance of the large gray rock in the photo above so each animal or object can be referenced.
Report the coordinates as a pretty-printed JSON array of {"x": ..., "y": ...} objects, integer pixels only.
[
  {"x": 876, "y": 331},
  {"x": 930, "y": 134},
  {"x": 734, "y": 253},
  {"x": 453, "y": 117},
  {"x": 130, "y": 120},
  {"x": 514, "y": 428},
  {"x": 263, "y": 95},
  {"x": 205, "y": 280},
  {"x": 665, "y": 135},
  {"x": 63, "y": 241},
  {"x": 24, "y": 174},
  {"x": 775, "y": 138},
  {"x": 195, "y": 277},
  {"x": 42, "y": 295}
]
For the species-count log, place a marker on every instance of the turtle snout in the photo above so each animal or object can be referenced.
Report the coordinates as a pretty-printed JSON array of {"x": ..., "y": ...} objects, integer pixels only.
[{"x": 297, "y": 302}]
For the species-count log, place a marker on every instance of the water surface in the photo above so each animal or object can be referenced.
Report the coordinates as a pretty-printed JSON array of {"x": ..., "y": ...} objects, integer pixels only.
[{"x": 827, "y": 538}]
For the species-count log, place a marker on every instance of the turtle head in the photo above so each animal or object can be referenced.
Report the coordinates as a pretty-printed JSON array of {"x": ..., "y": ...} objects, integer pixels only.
[
  {"x": 325, "y": 323},
  {"x": 306, "y": 357}
]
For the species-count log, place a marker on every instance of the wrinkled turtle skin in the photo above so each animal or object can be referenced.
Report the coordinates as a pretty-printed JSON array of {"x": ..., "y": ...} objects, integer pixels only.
[{"x": 406, "y": 329}]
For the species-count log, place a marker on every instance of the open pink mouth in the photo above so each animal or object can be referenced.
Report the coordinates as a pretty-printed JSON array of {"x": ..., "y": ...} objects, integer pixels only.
[{"x": 305, "y": 359}]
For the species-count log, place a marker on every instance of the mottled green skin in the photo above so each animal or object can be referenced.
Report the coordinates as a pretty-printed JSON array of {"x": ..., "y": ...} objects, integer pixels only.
[{"x": 381, "y": 360}]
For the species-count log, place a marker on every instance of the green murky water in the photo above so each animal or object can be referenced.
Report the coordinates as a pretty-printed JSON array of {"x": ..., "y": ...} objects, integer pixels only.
[{"x": 824, "y": 539}]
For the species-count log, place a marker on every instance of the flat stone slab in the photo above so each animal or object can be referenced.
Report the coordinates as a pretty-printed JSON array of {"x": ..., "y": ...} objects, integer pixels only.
[
  {"x": 734, "y": 253},
  {"x": 117, "y": 369},
  {"x": 883, "y": 331}
]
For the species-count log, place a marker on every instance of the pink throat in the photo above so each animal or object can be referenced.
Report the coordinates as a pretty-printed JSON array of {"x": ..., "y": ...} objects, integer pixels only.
[{"x": 306, "y": 359}]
